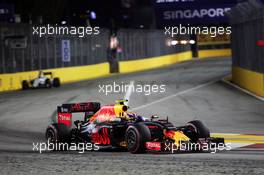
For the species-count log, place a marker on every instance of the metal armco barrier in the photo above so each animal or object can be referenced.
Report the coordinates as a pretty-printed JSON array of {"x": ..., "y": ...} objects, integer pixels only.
[
  {"x": 138, "y": 44},
  {"x": 21, "y": 51},
  {"x": 49, "y": 51},
  {"x": 247, "y": 20}
]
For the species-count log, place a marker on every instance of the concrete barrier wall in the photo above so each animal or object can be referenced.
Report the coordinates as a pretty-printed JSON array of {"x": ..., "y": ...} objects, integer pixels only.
[
  {"x": 13, "y": 81},
  {"x": 214, "y": 53},
  {"x": 247, "y": 23},
  {"x": 249, "y": 80},
  {"x": 151, "y": 63}
]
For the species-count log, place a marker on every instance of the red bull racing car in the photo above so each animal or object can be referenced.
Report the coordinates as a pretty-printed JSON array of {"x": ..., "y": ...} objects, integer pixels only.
[{"x": 112, "y": 126}]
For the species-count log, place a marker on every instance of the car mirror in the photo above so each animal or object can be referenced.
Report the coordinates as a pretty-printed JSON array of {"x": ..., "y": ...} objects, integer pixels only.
[{"x": 154, "y": 117}]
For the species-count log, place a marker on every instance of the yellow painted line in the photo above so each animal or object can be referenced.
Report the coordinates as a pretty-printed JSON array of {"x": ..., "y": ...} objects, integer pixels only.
[
  {"x": 245, "y": 141},
  {"x": 241, "y": 138}
]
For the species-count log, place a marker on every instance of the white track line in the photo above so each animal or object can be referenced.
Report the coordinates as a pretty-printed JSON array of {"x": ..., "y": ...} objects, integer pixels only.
[
  {"x": 129, "y": 92},
  {"x": 236, "y": 146},
  {"x": 243, "y": 90},
  {"x": 175, "y": 95}
]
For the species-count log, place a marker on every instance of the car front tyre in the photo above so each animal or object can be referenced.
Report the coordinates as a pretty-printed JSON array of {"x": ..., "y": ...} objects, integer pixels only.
[{"x": 136, "y": 137}]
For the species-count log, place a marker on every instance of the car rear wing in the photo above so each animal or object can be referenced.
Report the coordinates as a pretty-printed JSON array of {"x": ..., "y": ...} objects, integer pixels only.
[
  {"x": 47, "y": 73},
  {"x": 79, "y": 107},
  {"x": 65, "y": 111}
]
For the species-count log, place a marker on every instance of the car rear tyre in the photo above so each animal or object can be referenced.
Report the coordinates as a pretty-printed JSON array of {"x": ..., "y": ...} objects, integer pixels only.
[
  {"x": 201, "y": 130},
  {"x": 56, "y": 82},
  {"x": 58, "y": 133},
  {"x": 25, "y": 85},
  {"x": 136, "y": 137},
  {"x": 48, "y": 83}
]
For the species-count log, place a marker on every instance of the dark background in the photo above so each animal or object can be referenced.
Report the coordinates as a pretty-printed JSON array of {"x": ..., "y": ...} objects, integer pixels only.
[{"x": 110, "y": 13}]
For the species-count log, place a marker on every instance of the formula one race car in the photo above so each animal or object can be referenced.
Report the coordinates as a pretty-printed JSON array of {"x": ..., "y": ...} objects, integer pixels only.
[
  {"x": 112, "y": 126},
  {"x": 44, "y": 80}
]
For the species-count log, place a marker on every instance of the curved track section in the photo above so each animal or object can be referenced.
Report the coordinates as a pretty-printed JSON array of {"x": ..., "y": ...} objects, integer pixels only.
[{"x": 194, "y": 90}]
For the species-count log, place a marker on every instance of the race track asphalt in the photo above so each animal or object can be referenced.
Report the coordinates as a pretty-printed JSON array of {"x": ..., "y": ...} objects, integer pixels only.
[{"x": 194, "y": 90}]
